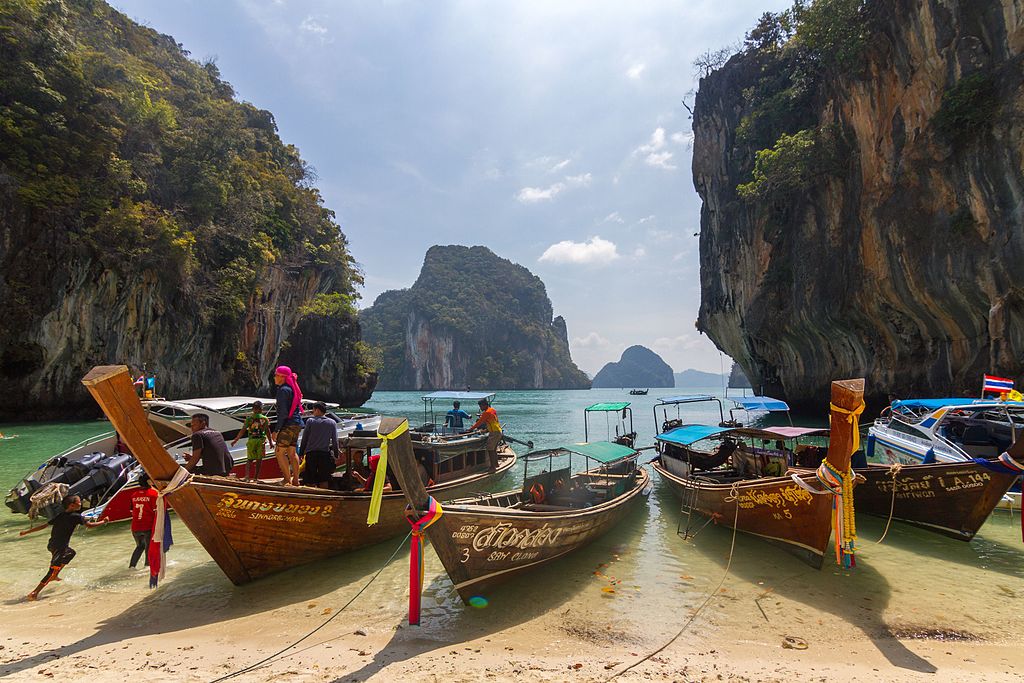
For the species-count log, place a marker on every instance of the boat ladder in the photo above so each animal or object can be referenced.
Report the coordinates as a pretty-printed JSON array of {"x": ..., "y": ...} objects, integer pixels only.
[{"x": 688, "y": 502}]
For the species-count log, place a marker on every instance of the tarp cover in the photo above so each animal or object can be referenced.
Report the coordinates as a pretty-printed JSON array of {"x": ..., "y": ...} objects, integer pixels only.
[
  {"x": 686, "y": 399},
  {"x": 762, "y": 403},
  {"x": 607, "y": 407},
  {"x": 936, "y": 403},
  {"x": 688, "y": 434},
  {"x": 458, "y": 395},
  {"x": 793, "y": 432}
]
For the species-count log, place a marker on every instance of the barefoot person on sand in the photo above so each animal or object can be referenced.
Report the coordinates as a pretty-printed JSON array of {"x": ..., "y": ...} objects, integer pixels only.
[
  {"x": 288, "y": 425},
  {"x": 61, "y": 552}
]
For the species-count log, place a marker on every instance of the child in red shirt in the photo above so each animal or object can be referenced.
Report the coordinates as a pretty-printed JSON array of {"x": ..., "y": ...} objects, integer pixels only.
[{"x": 143, "y": 518}]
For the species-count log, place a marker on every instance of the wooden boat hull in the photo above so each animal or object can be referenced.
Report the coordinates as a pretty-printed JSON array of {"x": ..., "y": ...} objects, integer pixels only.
[
  {"x": 494, "y": 544},
  {"x": 774, "y": 508},
  {"x": 254, "y": 529},
  {"x": 952, "y": 499}
]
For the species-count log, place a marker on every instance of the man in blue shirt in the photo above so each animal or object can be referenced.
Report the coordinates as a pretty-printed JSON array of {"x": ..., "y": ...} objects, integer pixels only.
[
  {"x": 453, "y": 420},
  {"x": 320, "y": 447}
]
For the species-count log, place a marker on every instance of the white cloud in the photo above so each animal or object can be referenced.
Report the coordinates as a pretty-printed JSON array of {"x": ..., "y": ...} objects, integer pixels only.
[
  {"x": 654, "y": 152},
  {"x": 656, "y": 235},
  {"x": 559, "y": 166},
  {"x": 591, "y": 341},
  {"x": 532, "y": 195},
  {"x": 684, "y": 138},
  {"x": 493, "y": 173},
  {"x": 613, "y": 217},
  {"x": 645, "y": 219},
  {"x": 635, "y": 71},
  {"x": 594, "y": 250},
  {"x": 683, "y": 342},
  {"x": 311, "y": 25},
  {"x": 639, "y": 253}
]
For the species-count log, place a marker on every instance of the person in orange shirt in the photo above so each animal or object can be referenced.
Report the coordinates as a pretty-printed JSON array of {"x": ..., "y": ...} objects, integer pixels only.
[{"x": 489, "y": 419}]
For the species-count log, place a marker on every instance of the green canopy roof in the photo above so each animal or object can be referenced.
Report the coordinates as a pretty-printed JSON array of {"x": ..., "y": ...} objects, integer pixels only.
[
  {"x": 602, "y": 451},
  {"x": 607, "y": 407}
]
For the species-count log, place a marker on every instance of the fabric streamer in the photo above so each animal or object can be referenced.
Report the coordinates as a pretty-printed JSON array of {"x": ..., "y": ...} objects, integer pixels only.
[
  {"x": 379, "y": 477},
  {"x": 291, "y": 379},
  {"x": 162, "y": 541},
  {"x": 433, "y": 514}
]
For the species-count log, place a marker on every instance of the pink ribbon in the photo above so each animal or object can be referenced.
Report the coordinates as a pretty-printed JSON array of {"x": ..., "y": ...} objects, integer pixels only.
[{"x": 433, "y": 514}]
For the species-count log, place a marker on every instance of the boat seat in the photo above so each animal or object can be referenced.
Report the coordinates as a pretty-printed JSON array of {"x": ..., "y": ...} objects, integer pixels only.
[{"x": 976, "y": 435}]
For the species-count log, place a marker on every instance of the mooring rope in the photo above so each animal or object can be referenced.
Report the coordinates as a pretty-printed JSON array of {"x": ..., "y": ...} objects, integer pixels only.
[
  {"x": 894, "y": 470},
  {"x": 732, "y": 546},
  {"x": 267, "y": 660}
]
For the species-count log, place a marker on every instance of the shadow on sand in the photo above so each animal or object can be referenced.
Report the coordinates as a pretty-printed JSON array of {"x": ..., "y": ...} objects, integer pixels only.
[
  {"x": 201, "y": 595},
  {"x": 839, "y": 592}
]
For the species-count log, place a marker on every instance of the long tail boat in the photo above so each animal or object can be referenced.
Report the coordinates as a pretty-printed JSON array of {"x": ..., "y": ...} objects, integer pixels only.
[
  {"x": 777, "y": 509},
  {"x": 254, "y": 529},
  {"x": 490, "y": 539},
  {"x": 950, "y": 498}
]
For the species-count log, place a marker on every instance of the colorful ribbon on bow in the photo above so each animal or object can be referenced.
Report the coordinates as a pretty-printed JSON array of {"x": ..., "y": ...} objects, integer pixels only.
[
  {"x": 1004, "y": 464},
  {"x": 162, "y": 541},
  {"x": 840, "y": 485},
  {"x": 419, "y": 527},
  {"x": 373, "y": 515}
]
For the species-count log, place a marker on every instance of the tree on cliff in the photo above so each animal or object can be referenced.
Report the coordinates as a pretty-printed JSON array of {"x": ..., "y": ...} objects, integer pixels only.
[
  {"x": 133, "y": 182},
  {"x": 471, "y": 318}
]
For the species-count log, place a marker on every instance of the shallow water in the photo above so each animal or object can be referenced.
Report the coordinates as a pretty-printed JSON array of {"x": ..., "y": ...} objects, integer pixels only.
[{"x": 639, "y": 582}]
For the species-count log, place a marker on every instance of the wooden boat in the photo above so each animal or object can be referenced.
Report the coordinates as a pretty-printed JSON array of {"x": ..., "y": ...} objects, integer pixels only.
[
  {"x": 624, "y": 436},
  {"x": 486, "y": 540},
  {"x": 950, "y": 498},
  {"x": 255, "y": 529},
  {"x": 774, "y": 508}
]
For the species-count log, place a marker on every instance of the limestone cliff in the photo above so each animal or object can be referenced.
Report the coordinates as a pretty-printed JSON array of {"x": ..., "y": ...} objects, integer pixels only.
[
  {"x": 638, "y": 367},
  {"x": 863, "y": 197},
  {"x": 470, "y": 319},
  {"x": 148, "y": 217}
]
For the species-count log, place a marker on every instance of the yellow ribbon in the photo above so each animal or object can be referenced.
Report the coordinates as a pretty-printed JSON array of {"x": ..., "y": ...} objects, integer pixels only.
[
  {"x": 373, "y": 516},
  {"x": 853, "y": 417}
]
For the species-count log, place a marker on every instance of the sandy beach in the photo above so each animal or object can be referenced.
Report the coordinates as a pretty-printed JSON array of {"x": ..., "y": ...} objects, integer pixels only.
[{"x": 550, "y": 627}]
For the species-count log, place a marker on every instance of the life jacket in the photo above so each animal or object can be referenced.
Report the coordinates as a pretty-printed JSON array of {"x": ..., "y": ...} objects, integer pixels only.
[{"x": 537, "y": 492}]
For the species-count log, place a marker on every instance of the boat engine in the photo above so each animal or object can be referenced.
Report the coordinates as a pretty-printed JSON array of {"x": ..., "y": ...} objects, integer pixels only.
[{"x": 92, "y": 476}]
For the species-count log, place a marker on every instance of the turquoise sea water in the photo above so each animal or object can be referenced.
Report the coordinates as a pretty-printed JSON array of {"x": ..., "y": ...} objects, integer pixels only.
[{"x": 637, "y": 581}]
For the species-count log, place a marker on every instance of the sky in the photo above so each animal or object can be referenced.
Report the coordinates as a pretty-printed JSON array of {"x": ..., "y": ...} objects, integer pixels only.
[{"x": 552, "y": 132}]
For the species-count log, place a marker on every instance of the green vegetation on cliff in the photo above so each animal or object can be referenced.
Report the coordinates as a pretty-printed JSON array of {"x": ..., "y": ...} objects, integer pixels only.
[
  {"x": 120, "y": 155},
  {"x": 471, "y": 318}
]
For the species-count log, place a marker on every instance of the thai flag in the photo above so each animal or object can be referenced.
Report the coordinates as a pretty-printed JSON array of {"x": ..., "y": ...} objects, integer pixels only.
[
  {"x": 142, "y": 378},
  {"x": 997, "y": 385}
]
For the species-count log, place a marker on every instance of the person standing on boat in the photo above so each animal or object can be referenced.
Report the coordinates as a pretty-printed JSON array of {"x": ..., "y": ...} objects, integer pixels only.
[
  {"x": 489, "y": 419},
  {"x": 143, "y": 508},
  {"x": 63, "y": 526},
  {"x": 289, "y": 423},
  {"x": 208, "y": 445},
  {"x": 257, "y": 428},
  {"x": 454, "y": 419},
  {"x": 320, "y": 447}
]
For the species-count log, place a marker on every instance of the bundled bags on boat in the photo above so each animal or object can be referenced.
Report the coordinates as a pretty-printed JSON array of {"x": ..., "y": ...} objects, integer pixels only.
[{"x": 49, "y": 495}]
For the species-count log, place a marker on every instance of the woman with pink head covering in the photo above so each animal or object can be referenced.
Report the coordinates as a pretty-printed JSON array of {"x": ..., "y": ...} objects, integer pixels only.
[{"x": 289, "y": 423}]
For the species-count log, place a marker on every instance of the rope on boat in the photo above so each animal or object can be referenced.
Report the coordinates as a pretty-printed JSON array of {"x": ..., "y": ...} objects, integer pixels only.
[
  {"x": 732, "y": 547},
  {"x": 894, "y": 470},
  {"x": 267, "y": 660}
]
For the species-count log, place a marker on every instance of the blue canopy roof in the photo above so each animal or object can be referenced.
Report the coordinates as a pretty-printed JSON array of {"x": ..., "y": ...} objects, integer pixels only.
[
  {"x": 696, "y": 398},
  {"x": 931, "y": 403},
  {"x": 688, "y": 434},
  {"x": 762, "y": 403},
  {"x": 458, "y": 395},
  {"x": 936, "y": 403}
]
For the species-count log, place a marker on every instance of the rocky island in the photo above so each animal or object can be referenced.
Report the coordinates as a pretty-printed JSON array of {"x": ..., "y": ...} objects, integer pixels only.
[
  {"x": 860, "y": 171},
  {"x": 150, "y": 217},
  {"x": 473, "y": 319},
  {"x": 638, "y": 367}
]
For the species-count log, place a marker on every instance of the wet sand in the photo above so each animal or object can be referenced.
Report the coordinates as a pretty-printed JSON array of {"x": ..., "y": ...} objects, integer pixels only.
[{"x": 565, "y": 622}]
